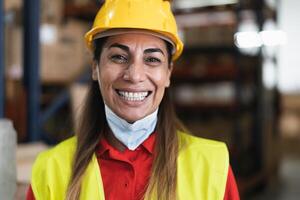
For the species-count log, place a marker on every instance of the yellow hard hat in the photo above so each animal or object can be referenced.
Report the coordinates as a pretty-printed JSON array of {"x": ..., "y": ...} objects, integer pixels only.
[{"x": 153, "y": 16}]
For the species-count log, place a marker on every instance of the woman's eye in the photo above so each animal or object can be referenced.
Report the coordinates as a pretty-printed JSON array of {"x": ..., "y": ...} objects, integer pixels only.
[
  {"x": 153, "y": 60},
  {"x": 119, "y": 59}
]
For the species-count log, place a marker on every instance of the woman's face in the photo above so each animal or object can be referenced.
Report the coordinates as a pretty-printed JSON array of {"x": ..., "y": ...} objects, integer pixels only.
[{"x": 134, "y": 72}]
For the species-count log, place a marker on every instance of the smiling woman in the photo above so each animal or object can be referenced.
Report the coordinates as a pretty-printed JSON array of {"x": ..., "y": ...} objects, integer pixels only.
[{"x": 130, "y": 144}]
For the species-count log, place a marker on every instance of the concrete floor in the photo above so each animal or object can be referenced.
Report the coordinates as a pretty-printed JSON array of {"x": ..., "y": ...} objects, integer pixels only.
[{"x": 287, "y": 187}]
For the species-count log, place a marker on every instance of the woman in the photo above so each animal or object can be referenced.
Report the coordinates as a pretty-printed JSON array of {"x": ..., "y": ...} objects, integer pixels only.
[{"x": 130, "y": 144}]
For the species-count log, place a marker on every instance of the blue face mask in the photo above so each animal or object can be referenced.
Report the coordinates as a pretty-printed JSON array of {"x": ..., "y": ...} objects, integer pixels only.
[{"x": 131, "y": 135}]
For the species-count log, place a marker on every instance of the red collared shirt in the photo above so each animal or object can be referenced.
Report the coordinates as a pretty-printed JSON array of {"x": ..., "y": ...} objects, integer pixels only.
[{"x": 132, "y": 169}]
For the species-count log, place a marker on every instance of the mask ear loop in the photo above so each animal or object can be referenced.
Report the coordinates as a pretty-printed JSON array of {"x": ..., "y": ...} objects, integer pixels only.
[
  {"x": 98, "y": 75},
  {"x": 98, "y": 78}
]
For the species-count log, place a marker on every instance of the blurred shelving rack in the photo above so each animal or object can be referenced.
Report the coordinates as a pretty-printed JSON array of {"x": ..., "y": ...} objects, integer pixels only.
[
  {"x": 248, "y": 159},
  {"x": 245, "y": 70},
  {"x": 35, "y": 105}
]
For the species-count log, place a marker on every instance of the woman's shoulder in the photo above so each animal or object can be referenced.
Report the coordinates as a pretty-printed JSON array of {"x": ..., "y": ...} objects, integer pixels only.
[
  {"x": 201, "y": 150},
  {"x": 205, "y": 159},
  {"x": 190, "y": 145},
  {"x": 63, "y": 151},
  {"x": 52, "y": 168},
  {"x": 191, "y": 140}
]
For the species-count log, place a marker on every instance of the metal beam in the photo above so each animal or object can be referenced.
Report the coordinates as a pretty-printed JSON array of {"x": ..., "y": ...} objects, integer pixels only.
[
  {"x": 2, "y": 65},
  {"x": 58, "y": 103},
  {"x": 31, "y": 53}
]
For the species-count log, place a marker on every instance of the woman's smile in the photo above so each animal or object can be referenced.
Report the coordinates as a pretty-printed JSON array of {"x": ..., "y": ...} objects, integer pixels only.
[{"x": 133, "y": 96}]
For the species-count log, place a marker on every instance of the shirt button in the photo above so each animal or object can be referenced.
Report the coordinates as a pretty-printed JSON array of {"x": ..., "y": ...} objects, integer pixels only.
[{"x": 126, "y": 184}]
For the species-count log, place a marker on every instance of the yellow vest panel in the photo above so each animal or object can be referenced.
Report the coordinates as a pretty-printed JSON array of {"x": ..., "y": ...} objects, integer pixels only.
[{"x": 202, "y": 170}]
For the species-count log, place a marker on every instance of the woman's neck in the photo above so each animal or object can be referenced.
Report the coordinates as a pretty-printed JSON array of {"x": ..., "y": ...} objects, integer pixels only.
[{"x": 113, "y": 141}]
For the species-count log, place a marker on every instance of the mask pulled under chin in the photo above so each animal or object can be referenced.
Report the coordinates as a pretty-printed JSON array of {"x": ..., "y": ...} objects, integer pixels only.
[{"x": 131, "y": 135}]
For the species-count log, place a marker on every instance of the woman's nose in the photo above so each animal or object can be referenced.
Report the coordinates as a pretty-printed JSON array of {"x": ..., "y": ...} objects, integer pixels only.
[{"x": 135, "y": 72}]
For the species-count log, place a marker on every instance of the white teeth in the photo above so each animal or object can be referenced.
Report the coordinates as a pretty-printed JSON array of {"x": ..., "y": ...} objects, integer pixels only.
[{"x": 133, "y": 96}]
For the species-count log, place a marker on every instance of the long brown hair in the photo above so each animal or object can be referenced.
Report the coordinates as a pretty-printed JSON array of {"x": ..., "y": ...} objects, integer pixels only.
[{"x": 93, "y": 124}]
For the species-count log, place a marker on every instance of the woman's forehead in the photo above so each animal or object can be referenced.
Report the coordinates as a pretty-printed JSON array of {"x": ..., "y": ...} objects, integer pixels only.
[{"x": 133, "y": 39}]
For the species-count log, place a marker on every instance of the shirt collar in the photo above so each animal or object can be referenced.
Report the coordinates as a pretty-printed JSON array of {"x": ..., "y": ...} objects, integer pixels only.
[{"x": 104, "y": 145}]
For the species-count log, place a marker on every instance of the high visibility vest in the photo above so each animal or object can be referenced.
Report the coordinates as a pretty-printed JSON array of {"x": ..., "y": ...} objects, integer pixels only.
[{"x": 202, "y": 169}]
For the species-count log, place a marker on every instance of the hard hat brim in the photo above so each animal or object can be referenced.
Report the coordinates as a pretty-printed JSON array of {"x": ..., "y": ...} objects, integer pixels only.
[{"x": 97, "y": 33}]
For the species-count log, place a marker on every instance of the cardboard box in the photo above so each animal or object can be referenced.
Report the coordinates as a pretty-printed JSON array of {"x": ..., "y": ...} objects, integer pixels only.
[
  {"x": 12, "y": 4},
  {"x": 25, "y": 156},
  {"x": 209, "y": 36},
  {"x": 13, "y": 50},
  {"x": 188, "y": 4},
  {"x": 15, "y": 106},
  {"x": 65, "y": 58},
  {"x": 52, "y": 11},
  {"x": 81, "y": 2},
  {"x": 63, "y": 54}
]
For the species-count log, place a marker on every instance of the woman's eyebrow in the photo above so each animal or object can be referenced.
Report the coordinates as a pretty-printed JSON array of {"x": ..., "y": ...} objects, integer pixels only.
[
  {"x": 153, "y": 50},
  {"x": 121, "y": 46}
]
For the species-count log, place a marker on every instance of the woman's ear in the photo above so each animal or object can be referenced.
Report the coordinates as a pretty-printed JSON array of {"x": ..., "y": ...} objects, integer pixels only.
[{"x": 94, "y": 70}]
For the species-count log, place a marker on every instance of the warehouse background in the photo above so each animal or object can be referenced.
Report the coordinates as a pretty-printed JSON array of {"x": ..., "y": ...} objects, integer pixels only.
[{"x": 236, "y": 82}]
